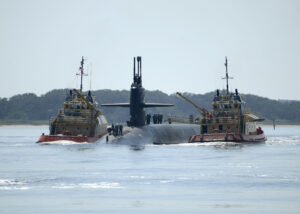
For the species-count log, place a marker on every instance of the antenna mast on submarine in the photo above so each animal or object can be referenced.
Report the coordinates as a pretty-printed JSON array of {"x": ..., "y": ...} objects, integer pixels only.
[
  {"x": 134, "y": 76},
  {"x": 139, "y": 60},
  {"x": 137, "y": 76}
]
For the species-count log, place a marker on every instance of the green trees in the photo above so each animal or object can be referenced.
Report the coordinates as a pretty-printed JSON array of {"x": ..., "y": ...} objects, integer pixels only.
[{"x": 29, "y": 107}]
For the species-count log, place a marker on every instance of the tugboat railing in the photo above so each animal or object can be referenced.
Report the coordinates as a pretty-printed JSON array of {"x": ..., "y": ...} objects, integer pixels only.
[
  {"x": 224, "y": 120},
  {"x": 75, "y": 119}
]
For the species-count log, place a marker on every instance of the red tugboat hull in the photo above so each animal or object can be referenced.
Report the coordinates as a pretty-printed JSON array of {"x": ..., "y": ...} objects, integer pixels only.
[
  {"x": 77, "y": 139},
  {"x": 227, "y": 137}
]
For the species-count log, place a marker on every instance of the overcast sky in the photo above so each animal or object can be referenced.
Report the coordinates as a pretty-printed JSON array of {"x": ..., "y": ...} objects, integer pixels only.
[{"x": 183, "y": 45}]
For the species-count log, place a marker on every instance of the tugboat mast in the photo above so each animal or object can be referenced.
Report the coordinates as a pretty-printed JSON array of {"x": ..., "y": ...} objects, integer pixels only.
[
  {"x": 227, "y": 77},
  {"x": 81, "y": 70}
]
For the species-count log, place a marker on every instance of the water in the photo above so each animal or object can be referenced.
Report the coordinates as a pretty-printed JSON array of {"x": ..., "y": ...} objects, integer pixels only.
[{"x": 184, "y": 178}]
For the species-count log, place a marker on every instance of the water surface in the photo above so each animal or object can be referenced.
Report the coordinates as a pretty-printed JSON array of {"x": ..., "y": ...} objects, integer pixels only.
[{"x": 66, "y": 177}]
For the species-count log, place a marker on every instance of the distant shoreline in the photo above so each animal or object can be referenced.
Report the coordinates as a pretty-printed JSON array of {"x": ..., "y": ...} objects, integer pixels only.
[
  {"x": 31, "y": 109},
  {"x": 24, "y": 122}
]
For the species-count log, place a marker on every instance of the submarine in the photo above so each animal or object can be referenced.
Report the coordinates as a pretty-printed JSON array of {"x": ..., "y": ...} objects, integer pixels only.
[{"x": 138, "y": 132}]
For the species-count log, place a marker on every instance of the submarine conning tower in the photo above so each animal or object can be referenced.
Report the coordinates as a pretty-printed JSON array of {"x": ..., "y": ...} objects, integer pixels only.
[{"x": 137, "y": 97}]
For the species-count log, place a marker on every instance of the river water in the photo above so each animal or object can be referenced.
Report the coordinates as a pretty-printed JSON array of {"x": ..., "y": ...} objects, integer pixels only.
[{"x": 183, "y": 178}]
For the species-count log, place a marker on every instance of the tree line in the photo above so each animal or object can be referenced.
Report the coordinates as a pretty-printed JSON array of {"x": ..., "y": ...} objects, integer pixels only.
[{"x": 30, "y": 107}]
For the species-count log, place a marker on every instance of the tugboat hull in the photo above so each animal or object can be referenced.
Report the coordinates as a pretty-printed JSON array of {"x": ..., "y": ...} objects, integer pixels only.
[
  {"x": 227, "y": 137},
  {"x": 77, "y": 139}
]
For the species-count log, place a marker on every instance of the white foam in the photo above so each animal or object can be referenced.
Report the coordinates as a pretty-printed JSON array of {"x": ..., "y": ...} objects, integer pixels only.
[
  {"x": 137, "y": 177},
  {"x": 166, "y": 181},
  {"x": 283, "y": 140},
  {"x": 64, "y": 187},
  {"x": 63, "y": 142},
  {"x": 13, "y": 188},
  {"x": 200, "y": 144},
  {"x": 10, "y": 182},
  {"x": 100, "y": 185},
  {"x": 244, "y": 166},
  {"x": 262, "y": 175}
]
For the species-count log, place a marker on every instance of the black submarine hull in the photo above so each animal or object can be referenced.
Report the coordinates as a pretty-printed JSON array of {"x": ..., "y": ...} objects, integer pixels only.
[{"x": 158, "y": 134}]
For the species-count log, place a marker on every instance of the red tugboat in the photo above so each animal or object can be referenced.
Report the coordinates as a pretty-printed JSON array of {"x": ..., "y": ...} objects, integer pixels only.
[
  {"x": 79, "y": 121},
  {"x": 228, "y": 121}
]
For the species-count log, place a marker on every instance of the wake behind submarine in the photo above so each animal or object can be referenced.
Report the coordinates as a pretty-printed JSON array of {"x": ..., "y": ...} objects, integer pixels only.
[{"x": 139, "y": 133}]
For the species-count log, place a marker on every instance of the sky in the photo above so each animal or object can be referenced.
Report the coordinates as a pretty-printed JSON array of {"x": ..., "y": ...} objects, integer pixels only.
[{"x": 183, "y": 44}]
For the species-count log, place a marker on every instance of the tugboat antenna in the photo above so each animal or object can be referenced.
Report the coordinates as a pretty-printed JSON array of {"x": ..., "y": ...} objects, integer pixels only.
[
  {"x": 90, "y": 71},
  {"x": 81, "y": 72},
  {"x": 227, "y": 77}
]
